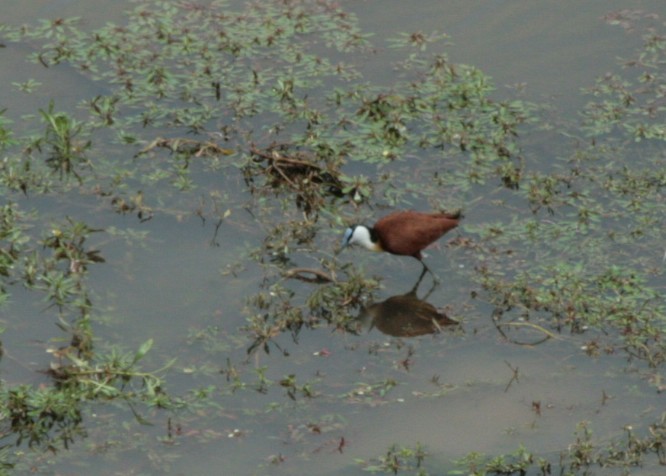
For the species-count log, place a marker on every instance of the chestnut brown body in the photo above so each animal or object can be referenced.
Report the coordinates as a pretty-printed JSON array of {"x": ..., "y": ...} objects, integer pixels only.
[{"x": 409, "y": 232}]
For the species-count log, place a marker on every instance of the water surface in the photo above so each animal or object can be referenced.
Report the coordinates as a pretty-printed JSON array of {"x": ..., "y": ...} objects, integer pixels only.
[{"x": 453, "y": 392}]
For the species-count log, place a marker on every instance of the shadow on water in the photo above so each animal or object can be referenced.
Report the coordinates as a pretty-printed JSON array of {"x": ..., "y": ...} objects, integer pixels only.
[{"x": 406, "y": 315}]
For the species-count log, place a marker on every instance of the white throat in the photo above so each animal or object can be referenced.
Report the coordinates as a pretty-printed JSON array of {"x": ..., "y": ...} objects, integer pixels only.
[{"x": 361, "y": 237}]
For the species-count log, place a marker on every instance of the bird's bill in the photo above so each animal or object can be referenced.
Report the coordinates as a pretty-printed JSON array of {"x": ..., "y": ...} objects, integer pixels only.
[{"x": 347, "y": 237}]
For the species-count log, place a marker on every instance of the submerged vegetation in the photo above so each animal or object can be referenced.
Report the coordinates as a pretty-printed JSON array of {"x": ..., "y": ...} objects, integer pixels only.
[{"x": 208, "y": 111}]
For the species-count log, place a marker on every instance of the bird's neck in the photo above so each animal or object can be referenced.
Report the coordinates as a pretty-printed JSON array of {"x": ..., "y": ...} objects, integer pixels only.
[{"x": 368, "y": 239}]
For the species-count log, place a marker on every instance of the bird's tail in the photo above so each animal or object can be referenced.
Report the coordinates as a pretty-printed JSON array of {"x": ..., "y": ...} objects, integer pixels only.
[{"x": 457, "y": 215}]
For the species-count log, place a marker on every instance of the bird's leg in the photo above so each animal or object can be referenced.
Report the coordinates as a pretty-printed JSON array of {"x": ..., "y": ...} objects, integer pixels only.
[
  {"x": 435, "y": 278},
  {"x": 418, "y": 281},
  {"x": 435, "y": 283},
  {"x": 423, "y": 273}
]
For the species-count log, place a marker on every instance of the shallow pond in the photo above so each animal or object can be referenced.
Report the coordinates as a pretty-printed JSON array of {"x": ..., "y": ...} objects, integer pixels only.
[{"x": 185, "y": 272}]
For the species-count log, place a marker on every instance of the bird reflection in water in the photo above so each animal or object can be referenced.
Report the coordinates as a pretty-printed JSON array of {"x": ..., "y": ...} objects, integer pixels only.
[{"x": 406, "y": 315}]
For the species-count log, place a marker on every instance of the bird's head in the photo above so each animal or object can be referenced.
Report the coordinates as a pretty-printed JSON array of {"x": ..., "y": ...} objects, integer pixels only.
[{"x": 360, "y": 235}]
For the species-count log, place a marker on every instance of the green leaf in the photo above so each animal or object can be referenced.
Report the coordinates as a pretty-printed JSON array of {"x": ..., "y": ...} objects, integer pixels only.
[{"x": 143, "y": 350}]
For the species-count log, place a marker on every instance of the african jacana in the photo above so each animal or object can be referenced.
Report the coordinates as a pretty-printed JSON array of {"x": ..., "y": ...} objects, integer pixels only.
[{"x": 404, "y": 233}]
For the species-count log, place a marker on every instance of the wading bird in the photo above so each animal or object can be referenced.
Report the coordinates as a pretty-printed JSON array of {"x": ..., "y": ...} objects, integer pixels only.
[{"x": 404, "y": 233}]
